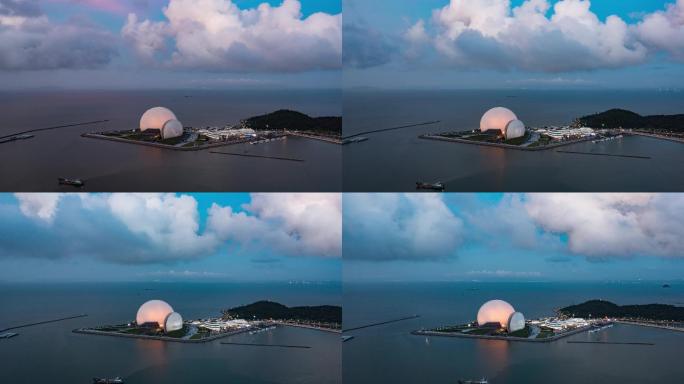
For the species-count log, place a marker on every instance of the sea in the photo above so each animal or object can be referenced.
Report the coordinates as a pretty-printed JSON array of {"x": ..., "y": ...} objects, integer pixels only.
[
  {"x": 35, "y": 164},
  {"x": 52, "y": 353},
  {"x": 396, "y": 160},
  {"x": 390, "y": 354}
]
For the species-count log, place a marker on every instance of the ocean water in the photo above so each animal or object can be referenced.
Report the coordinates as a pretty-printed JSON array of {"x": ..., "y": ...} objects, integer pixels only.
[
  {"x": 35, "y": 164},
  {"x": 395, "y": 160},
  {"x": 389, "y": 353},
  {"x": 53, "y": 353}
]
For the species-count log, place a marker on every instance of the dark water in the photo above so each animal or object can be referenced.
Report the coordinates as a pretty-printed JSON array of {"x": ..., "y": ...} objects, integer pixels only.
[
  {"x": 390, "y": 354},
  {"x": 35, "y": 164},
  {"x": 52, "y": 353},
  {"x": 395, "y": 160}
]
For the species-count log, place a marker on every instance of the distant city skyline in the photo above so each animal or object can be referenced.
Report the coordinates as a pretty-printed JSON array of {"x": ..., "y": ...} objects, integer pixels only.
[
  {"x": 504, "y": 44},
  {"x": 170, "y": 44},
  {"x": 513, "y": 237},
  {"x": 170, "y": 237}
]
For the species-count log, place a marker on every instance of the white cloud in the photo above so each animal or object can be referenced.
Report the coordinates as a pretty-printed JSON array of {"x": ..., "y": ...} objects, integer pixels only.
[
  {"x": 533, "y": 36},
  {"x": 29, "y": 40},
  {"x": 613, "y": 225},
  {"x": 665, "y": 29},
  {"x": 504, "y": 273},
  {"x": 305, "y": 223},
  {"x": 218, "y": 35},
  {"x": 42, "y": 206},
  {"x": 399, "y": 226}
]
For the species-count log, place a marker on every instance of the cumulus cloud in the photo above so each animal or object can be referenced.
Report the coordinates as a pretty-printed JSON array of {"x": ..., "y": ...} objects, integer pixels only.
[
  {"x": 533, "y": 36},
  {"x": 308, "y": 224},
  {"x": 664, "y": 30},
  {"x": 30, "y": 41},
  {"x": 399, "y": 227},
  {"x": 217, "y": 35},
  {"x": 167, "y": 228},
  {"x": 613, "y": 225}
]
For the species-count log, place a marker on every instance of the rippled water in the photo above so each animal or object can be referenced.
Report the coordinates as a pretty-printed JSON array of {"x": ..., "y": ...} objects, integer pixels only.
[
  {"x": 389, "y": 353},
  {"x": 395, "y": 160},
  {"x": 35, "y": 164},
  {"x": 52, "y": 353}
]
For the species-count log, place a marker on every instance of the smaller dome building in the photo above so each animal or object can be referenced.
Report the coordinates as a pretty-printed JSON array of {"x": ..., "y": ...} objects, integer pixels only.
[
  {"x": 160, "y": 313},
  {"x": 163, "y": 120}
]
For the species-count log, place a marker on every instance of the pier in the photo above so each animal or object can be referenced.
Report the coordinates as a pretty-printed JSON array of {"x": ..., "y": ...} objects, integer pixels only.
[
  {"x": 605, "y": 154},
  {"x": 42, "y": 322},
  {"x": 381, "y": 323},
  {"x": 390, "y": 129},
  {"x": 609, "y": 342},
  {"x": 257, "y": 156},
  {"x": 267, "y": 345},
  {"x": 13, "y": 135}
]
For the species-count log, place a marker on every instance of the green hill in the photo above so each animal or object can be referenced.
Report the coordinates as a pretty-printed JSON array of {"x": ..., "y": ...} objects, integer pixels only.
[
  {"x": 293, "y": 120},
  {"x": 620, "y": 118},
  {"x": 602, "y": 308},
  {"x": 263, "y": 310}
]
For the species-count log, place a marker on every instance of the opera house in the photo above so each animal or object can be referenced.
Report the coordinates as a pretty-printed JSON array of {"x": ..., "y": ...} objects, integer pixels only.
[
  {"x": 503, "y": 122},
  {"x": 163, "y": 120},
  {"x": 158, "y": 314},
  {"x": 500, "y": 314}
]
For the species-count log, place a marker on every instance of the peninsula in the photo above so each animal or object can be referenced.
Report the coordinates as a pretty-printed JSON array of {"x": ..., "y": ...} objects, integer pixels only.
[{"x": 322, "y": 316}]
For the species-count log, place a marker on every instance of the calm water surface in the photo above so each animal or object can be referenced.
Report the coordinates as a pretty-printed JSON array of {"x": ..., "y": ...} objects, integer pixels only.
[
  {"x": 35, "y": 164},
  {"x": 52, "y": 353},
  {"x": 395, "y": 160},
  {"x": 389, "y": 353}
]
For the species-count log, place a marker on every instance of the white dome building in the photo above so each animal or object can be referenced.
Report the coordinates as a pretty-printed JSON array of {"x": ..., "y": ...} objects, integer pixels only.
[
  {"x": 160, "y": 312},
  {"x": 162, "y": 119},
  {"x": 502, "y": 119},
  {"x": 499, "y": 311}
]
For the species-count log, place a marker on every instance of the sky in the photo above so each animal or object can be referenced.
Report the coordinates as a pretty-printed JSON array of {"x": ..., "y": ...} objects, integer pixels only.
[
  {"x": 227, "y": 237},
  {"x": 531, "y": 44},
  {"x": 513, "y": 237},
  {"x": 170, "y": 44}
]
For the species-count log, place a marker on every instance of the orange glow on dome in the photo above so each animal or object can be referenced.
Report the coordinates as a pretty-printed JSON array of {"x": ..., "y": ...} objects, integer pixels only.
[
  {"x": 153, "y": 311},
  {"x": 495, "y": 311},
  {"x": 497, "y": 118}
]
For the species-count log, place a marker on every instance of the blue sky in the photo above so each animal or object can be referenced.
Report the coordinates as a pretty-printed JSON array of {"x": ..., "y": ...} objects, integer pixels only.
[
  {"x": 513, "y": 237},
  {"x": 170, "y": 237},
  {"x": 512, "y": 52},
  {"x": 132, "y": 44}
]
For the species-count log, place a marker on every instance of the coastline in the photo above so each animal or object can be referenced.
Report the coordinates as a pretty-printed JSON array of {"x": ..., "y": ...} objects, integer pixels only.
[
  {"x": 501, "y": 145},
  {"x": 506, "y": 338}
]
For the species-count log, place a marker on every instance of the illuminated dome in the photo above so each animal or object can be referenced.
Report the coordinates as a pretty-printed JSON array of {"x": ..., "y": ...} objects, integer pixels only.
[
  {"x": 497, "y": 119},
  {"x": 516, "y": 322},
  {"x": 495, "y": 311},
  {"x": 154, "y": 311},
  {"x": 514, "y": 128},
  {"x": 174, "y": 322},
  {"x": 158, "y": 118}
]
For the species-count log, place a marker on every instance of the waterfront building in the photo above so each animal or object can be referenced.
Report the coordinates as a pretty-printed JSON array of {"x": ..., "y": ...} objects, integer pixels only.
[
  {"x": 163, "y": 120},
  {"x": 504, "y": 121},
  {"x": 161, "y": 313},
  {"x": 502, "y": 313}
]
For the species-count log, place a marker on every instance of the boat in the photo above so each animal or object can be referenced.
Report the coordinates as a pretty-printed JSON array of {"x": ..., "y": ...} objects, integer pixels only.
[
  {"x": 116, "y": 380},
  {"x": 73, "y": 182},
  {"x": 346, "y": 338},
  {"x": 438, "y": 186},
  {"x": 481, "y": 381}
]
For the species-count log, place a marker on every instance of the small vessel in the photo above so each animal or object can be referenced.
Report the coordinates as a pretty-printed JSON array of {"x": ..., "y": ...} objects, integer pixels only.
[
  {"x": 481, "y": 381},
  {"x": 346, "y": 338},
  {"x": 116, "y": 380},
  {"x": 438, "y": 186},
  {"x": 73, "y": 182},
  {"x": 7, "y": 335}
]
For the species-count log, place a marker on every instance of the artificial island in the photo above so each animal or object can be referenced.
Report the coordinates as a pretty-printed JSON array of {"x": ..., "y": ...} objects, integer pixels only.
[
  {"x": 498, "y": 320},
  {"x": 156, "y": 320},
  {"x": 159, "y": 127},
  {"x": 500, "y": 127}
]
